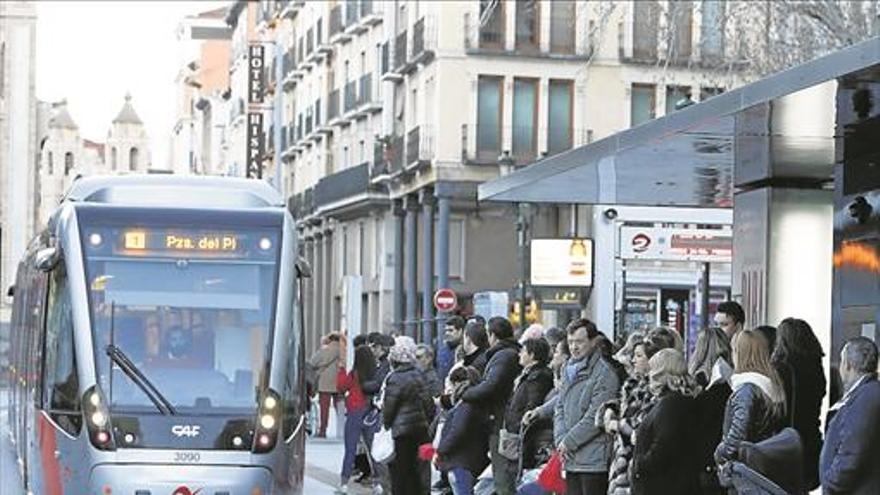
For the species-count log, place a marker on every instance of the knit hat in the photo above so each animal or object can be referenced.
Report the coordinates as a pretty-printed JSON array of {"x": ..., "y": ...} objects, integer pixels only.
[{"x": 403, "y": 351}]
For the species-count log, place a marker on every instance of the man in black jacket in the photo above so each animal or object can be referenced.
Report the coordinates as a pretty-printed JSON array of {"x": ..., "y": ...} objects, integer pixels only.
[{"x": 493, "y": 392}]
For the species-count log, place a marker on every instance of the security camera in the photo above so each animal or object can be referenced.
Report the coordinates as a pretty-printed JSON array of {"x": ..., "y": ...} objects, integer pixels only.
[{"x": 610, "y": 213}]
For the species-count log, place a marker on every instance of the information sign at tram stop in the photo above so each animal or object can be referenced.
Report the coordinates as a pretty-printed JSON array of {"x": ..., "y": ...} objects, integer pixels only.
[{"x": 445, "y": 300}]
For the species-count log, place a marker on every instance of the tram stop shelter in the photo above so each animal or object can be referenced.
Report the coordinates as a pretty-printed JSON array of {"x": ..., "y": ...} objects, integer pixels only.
[{"x": 797, "y": 157}]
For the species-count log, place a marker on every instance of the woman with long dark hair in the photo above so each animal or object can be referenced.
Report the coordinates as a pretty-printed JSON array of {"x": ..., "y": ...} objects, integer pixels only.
[
  {"x": 356, "y": 406},
  {"x": 798, "y": 360}
]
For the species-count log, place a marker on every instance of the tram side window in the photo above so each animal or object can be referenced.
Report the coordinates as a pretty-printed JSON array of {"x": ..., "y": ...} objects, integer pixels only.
[{"x": 60, "y": 381}]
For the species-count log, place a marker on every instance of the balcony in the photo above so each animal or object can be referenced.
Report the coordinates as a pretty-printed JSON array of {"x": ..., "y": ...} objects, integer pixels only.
[
  {"x": 323, "y": 46},
  {"x": 422, "y": 43},
  {"x": 344, "y": 185},
  {"x": 291, "y": 8},
  {"x": 350, "y": 102},
  {"x": 302, "y": 205},
  {"x": 321, "y": 126},
  {"x": 418, "y": 148},
  {"x": 384, "y": 60},
  {"x": 482, "y": 145},
  {"x": 399, "y": 59},
  {"x": 380, "y": 161},
  {"x": 371, "y": 12},
  {"x": 236, "y": 109},
  {"x": 352, "y": 15},
  {"x": 333, "y": 107},
  {"x": 288, "y": 66},
  {"x": 337, "y": 29},
  {"x": 368, "y": 96},
  {"x": 490, "y": 39}
]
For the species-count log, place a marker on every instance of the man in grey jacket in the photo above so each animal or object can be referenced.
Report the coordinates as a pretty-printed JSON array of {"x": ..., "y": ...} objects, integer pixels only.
[{"x": 587, "y": 382}]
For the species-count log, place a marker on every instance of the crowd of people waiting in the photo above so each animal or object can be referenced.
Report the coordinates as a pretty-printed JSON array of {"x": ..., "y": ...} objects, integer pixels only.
[{"x": 565, "y": 411}]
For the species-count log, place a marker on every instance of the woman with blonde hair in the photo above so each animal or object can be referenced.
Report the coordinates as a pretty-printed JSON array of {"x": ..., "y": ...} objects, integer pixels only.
[
  {"x": 756, "y": 409},
  {"x": 664, "y": 460}
]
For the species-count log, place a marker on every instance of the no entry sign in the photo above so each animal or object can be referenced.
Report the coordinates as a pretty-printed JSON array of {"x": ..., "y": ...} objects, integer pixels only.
[{"x": 445, "y": 300}]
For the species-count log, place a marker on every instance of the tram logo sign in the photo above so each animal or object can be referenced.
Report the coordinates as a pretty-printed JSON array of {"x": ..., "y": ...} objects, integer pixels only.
[
  {"x": 640, "y": 243},
  {"x": 182, "y": 490},
  {"x": 186, "y": 430}
]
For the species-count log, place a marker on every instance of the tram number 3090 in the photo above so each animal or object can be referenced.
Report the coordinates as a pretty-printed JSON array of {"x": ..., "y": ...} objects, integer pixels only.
[{"x": 187, "y": 457}]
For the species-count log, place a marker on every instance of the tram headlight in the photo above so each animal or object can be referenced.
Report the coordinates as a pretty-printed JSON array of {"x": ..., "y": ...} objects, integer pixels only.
[
  {"x": 94, "y": 399},
  {"x": 99, "y": 419},
  {"x": 95, "y": 239},
  {"x": 265, "y": 243},
  {"x": 269, "y": 404},
  {"x": 267, "y": 421}
]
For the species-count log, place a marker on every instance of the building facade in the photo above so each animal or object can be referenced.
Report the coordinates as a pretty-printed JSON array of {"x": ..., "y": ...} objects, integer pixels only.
[
  {"x": 393, "y": 112},
  {"x": 18, "y": 136}
]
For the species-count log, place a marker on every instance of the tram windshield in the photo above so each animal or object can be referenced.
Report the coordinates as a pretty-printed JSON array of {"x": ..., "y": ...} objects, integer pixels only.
[{"x": 192, "y": 308}]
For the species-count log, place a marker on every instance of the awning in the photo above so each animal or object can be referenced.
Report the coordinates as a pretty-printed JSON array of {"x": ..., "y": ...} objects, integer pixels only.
[{"x": 687, "y": 158}]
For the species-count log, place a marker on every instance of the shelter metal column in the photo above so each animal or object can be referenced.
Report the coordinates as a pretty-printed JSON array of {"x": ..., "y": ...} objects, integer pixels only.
[{"x": 329, "y": 284}]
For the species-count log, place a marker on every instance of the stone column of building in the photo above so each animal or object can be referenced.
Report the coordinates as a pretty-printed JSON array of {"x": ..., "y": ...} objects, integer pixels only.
[
  {"x": 397, "y": 210},
  {"x": 318, "y": 284},
  {"x": 309, "y": 294},
  {"x": 427, "y": 200},
  {"x": 329, "y": 288},
  {"x": 444, "y": 209},
  {"x": 411, "y": 258}
]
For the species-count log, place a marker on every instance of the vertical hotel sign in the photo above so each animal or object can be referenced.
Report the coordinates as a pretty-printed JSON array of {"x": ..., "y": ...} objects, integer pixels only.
[{"x": 255, "y": 135}]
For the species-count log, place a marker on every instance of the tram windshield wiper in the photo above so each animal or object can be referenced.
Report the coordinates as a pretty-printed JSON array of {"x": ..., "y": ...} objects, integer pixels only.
[{"x": 131, "y": 370}]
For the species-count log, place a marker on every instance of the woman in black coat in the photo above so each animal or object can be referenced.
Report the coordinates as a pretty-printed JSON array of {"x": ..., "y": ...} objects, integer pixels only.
[
  {"x": 407, "y": 410},
  {"x": 530, "y": 389},
  {"x": 464, "y": 439},
  {"x": 798, "y": 360},
  {"x": 664, "y": 461}
]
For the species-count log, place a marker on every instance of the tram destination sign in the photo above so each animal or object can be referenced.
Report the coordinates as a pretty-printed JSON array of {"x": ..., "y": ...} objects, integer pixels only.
[{"x": 192, "y": 243}]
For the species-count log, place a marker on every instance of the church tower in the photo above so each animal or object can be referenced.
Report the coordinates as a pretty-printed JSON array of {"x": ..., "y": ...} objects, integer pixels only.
[
  {"x": 127, "y": 149},
  {"x": 60, "y": 159}
]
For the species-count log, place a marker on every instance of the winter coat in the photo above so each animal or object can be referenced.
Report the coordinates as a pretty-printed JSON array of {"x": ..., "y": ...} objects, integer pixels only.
[
  {"x": 445, "y": 360},
  {"x": 493, "y": 391},
  {"x": 805, "y": 385},
  {"x": 407, "y": 408},
  {"x": 594, "y": 383},
  {"x": 635, "y": 397},
  {"x": 348, "y": 384},
  {"x": 478, "y": 359},
  {"x": 850, "y": 459},
  {"x": 464, "y": 440},
  {"x": 435, "y": 386},
  {"x": 754, "y": 412},
  {"x": 664, "y": 461},
  {"x": 711, "y": 404},
  {"x": 530, "y": 390},
  {"x": 373, "y": 386},
  {"x": 326, "y": 360}
]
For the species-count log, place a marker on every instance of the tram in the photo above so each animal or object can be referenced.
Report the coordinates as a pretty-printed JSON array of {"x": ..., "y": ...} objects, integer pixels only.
[{"x": 156, "y": 342}]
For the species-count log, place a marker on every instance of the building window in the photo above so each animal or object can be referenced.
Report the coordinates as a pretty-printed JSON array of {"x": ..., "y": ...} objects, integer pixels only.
[
  {"x": 559, "y": 116},
  {"x": 646, "y": 14},
  {"x": 682, "y": 14},
  {"x": 563, "y": 20},
  {"x": 527, "y": 24},
  {"x": 491, "y": 24},
  {"x": 489, "y": 97},
  {"x": 49, "y": 164},
  {"x": 706, "y": 93},
  {"x": 113, "y": 162},
  {"x": 133, "y": 159},
  {"x": 676, "y": 95},
  {"x": 68, "y": 163},
  {"x": 642, "y": 105},
  {"x": 525, "y": 115},
  {"x": 712, "y": 30}
]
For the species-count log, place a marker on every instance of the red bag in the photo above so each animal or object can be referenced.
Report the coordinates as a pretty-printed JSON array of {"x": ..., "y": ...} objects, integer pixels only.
[
  {"x": 551, "y": 478},
  {"x": 426, "y": 452}
]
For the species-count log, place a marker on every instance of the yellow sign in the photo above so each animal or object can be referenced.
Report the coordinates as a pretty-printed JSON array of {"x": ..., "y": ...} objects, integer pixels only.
[
  {"x": 201, "y": 243},
  {"x": 135, "y": 240}
]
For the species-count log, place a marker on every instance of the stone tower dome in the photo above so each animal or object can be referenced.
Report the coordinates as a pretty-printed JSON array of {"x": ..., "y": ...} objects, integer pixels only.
[
  {"x": 60, "y": 157},
  {"x": 128, "y": 147}
]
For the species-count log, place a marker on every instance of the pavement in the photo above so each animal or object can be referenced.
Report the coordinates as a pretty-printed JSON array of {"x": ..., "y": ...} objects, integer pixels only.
[{"x": 323, "y": 462}]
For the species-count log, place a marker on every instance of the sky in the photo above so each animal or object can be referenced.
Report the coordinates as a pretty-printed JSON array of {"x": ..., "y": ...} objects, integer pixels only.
[{"x": 93, "y": 53}]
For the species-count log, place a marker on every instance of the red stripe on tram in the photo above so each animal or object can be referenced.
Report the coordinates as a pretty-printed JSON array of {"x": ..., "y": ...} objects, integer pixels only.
[{"x": 48, "y": 444}]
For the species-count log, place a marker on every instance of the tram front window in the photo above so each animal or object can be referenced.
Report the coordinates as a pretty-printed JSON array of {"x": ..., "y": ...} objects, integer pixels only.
[{"x": 196, "y": 322}]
